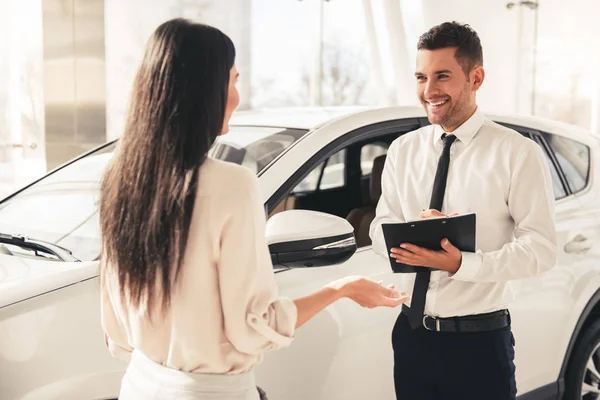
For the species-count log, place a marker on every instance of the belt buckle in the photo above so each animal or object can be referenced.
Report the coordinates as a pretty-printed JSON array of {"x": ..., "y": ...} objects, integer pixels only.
[{"x": 437, "y": 323}]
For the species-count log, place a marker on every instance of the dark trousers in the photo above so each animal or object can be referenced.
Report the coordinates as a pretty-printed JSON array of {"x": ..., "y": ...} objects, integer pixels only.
[
  {"x": 447, "y": 366},
  {"x": 261, "y": 393}
]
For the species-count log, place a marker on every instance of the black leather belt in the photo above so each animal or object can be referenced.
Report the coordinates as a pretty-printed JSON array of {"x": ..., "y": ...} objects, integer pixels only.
[{"x": 468, "y": 323}]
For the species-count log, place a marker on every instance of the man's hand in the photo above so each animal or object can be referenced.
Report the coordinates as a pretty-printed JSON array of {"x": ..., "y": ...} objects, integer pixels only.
[
  {"x": 447, "y": 259},
  {"x": 431, "y": 213}
]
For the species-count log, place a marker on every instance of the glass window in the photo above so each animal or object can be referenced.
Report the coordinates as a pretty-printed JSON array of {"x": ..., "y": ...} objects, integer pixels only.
[
  {"x": 23, "y": 91},
  {"x": 309, "y": 184},
  {"x": 368, "y": 153},
  {"x": 326, "y": 57},
  {"x": 254, "y": 147},
  {"x": 573, "y": 158},
  {"x": 333, "y": 175},
  {"x": 559, "y": 190},
  {"x": 62, "y": 208}
]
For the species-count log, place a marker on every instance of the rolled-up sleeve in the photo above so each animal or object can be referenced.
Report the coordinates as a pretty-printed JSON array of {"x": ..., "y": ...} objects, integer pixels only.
[
  {"x": 531, "y": 205},
  {"x": 255, "y": 317},
  {"x": 388, "y": 208}
]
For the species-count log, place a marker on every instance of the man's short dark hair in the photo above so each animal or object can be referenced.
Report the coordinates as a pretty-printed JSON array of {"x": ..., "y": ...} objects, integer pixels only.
[{"x": 453, "y": 34}]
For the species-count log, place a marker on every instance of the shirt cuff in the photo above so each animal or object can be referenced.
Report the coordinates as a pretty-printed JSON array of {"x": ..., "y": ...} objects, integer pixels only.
[
  {"x": 469, "y": 267},
  {"x": 279, "y": 332}
]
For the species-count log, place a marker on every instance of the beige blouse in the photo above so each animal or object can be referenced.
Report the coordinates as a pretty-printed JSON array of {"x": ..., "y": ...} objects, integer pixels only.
[{"x": 225, "y": 310}]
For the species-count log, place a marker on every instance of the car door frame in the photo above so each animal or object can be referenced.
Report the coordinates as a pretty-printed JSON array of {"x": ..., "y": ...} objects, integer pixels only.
[
  {"x": 401, "y": 125},
  {"x": 294, "y": 282}
]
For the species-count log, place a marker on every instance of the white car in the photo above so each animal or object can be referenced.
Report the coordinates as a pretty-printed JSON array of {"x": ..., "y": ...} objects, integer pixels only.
[{"x": 315, "y": 169}]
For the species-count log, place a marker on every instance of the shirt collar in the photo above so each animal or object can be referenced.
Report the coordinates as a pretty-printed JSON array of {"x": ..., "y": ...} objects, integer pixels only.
[{"x": 466, "y": 132}]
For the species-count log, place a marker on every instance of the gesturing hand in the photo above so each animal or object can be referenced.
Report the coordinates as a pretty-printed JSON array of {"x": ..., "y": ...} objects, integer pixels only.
[{"x": 369, "y": 293}]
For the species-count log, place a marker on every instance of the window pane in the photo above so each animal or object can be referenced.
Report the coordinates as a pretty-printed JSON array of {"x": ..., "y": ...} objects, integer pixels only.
[
  {"x": 252, "y": 146},
  {"x": 309, "y": 184},
  {"x": 574, "y": 159},
  {"x": 333, "y": 176},
  {"x": 62, "y": 208},
  {"x": 328, "y": 66},
  {"x": 368, "y": 153},
  {"x": 559, "y": 191},
  {"x": 22, "y": 93}
]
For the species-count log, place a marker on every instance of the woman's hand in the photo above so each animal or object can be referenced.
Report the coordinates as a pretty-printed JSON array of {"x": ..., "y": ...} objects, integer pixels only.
[
  {"x": 361, "y": 290},
  {"x": 368, "y": 293}
]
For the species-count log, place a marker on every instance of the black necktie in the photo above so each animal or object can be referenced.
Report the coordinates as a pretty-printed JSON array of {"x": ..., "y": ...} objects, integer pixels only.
[{"x": 417, "y": 304}]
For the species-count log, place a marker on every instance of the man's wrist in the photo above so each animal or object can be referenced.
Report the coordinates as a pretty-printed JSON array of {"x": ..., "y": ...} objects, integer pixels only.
[{"x": 454, "y": 267}]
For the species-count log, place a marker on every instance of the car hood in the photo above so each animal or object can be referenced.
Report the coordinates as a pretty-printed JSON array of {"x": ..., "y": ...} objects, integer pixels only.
[{"x": 22, "y": 278}]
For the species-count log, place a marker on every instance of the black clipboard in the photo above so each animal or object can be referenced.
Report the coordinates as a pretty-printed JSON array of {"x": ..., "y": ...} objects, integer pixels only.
[{"x": 460, "y": 230}]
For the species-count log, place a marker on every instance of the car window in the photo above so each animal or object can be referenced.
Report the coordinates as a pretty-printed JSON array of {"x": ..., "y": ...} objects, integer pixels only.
[
  {"x": 333, "y": 175},
  {"x": 573, "y": 158},
  {"x": 254, "y": 147},
  {"x": 350, "y": 168},
  {"x": 62, "y": 208},
  {"x": 309, "y": 184},
  {"x": 368, "y": 153},
  {"x": 333, "y": 172},
  {"x": 557, "y": 186}
]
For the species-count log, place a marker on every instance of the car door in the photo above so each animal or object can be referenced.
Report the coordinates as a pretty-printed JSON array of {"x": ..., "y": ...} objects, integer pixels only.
[
  {"x": 345, "y": 351},
  {"x": 576, "y": 157},
  {"x": 542, "y": 304},
  {"x": 326, "y": 187}
]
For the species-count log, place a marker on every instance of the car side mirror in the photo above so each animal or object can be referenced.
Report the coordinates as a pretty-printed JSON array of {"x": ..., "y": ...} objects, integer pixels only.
[{"x": 302, "y": 238}]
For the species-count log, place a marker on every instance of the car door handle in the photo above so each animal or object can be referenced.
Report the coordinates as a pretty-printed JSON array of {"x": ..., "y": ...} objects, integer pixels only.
[{"x": 579, "y": 244}]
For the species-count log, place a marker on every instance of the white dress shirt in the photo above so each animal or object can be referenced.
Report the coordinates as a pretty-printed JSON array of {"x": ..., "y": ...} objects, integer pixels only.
[
  {"x": 225, "y": 309},
  {"x": 494, "y": 172}
]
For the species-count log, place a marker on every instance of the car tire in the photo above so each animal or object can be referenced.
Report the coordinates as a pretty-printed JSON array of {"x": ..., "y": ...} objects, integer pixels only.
[{"x": 577, "y": 371}]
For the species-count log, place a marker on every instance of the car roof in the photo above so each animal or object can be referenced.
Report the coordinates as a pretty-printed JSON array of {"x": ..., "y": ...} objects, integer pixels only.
[
  {"x": 542, "y": 124},
  {"x": 296, "y": 118},
  {"x": 313, "y": 117}
]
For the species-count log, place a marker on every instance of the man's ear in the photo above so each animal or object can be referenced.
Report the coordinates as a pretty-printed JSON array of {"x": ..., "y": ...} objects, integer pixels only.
[{"x": 477, "y": 76}]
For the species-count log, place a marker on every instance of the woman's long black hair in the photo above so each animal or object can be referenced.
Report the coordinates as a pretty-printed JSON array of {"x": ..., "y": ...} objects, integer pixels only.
[{"x": 177, "y": 108}]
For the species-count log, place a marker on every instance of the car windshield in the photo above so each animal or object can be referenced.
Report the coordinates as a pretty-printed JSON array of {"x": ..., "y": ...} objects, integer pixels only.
[{"x": 62, "y": 208}]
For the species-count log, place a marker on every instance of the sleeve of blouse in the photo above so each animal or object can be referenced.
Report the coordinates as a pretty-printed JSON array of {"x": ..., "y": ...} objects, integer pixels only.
[
  {"x": 114, "y": 333},
  {"x": 256, "y": 318}
]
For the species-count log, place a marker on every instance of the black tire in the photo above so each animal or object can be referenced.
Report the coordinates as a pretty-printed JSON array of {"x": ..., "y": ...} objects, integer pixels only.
[{"x": 577, "y": 369}]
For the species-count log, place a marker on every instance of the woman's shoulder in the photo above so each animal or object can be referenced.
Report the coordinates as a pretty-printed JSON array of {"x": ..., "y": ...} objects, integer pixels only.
[
  {"x": 226, "y": 175},
  {"x": 228, "y": 170}
]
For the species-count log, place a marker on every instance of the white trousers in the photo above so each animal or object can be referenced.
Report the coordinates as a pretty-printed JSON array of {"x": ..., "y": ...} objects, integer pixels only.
[{"x": 147, "y": 380}]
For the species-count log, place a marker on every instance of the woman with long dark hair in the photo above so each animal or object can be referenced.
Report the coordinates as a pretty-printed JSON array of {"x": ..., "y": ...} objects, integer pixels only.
[{"x": 187, "y": 285}]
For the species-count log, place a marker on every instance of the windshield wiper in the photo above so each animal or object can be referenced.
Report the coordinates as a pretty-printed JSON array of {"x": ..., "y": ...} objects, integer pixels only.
[{"x": 38, "y": 245}]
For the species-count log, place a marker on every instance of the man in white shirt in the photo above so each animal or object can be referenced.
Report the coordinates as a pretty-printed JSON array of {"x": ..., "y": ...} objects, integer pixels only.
[{"x": 455, "y": 339}]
